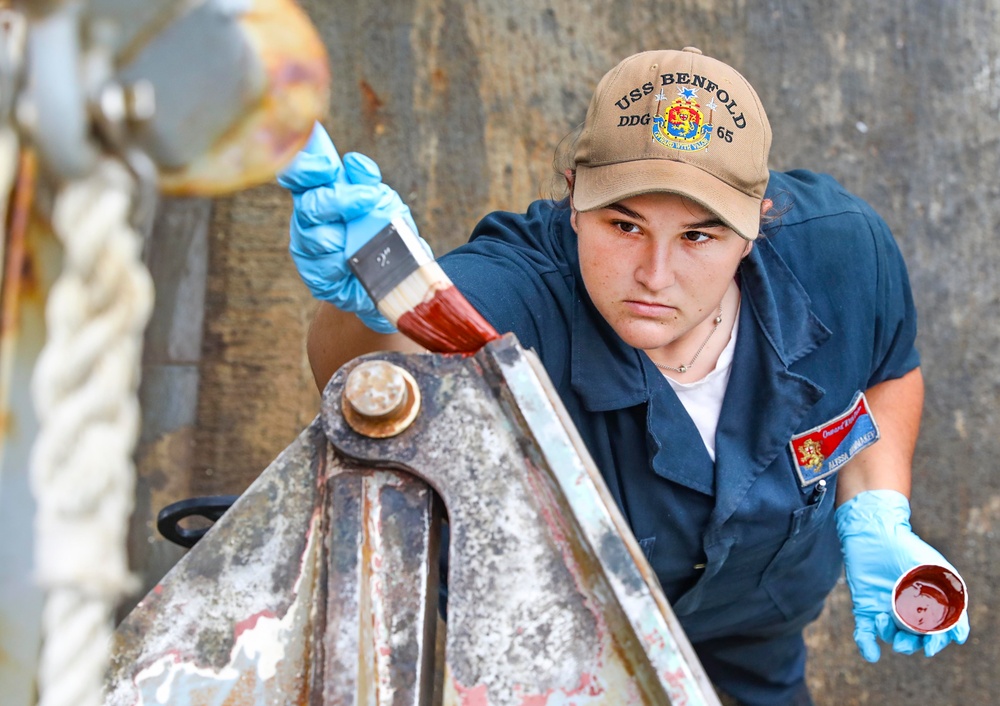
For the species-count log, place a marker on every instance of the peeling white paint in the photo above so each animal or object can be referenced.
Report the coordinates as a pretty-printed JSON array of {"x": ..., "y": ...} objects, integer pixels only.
[
  {"x": 257, "y": 649},
  {"x": 265, "y": 642}
]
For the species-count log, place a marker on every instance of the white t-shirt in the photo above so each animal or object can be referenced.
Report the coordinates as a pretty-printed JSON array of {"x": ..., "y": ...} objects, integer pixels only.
[{"x": 703, "y": 398}]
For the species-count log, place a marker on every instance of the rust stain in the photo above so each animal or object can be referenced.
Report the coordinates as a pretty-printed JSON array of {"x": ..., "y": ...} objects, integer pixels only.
[
  {"x": 439, "y": 80},
  {"x": 371, "y": 107},
  {"x": 367, "y": 681},
  {"x": 17, "y": 262},
  {"x": 370, "y": 102},
  {"x": 31, "y": 281},
  {"x": 8, "y": 423},
  {"x": 303, "y": 693},
  {"x": 243, "y": 692}
]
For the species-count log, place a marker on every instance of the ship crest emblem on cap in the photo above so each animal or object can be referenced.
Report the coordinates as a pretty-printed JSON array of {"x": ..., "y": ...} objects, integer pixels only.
[{"x": 682, "y": 125}]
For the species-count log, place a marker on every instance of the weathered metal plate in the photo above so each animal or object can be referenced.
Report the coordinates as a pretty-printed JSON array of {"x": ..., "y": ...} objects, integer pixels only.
[
  {"x": 319, "y": 584},
  {"x": 294, "y": 595},
  {"x": 550, "y": 599}
]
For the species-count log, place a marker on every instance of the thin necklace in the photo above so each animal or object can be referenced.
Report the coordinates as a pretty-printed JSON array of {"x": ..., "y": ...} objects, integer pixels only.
[{"x": 685, "y": 368}]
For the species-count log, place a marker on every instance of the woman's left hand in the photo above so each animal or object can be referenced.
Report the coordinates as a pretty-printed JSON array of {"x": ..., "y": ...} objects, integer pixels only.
[{"x": 879, "y": 546}]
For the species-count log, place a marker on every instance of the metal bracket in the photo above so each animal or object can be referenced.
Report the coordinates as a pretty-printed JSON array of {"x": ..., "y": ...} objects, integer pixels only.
[{"x": 550, "y": 599}]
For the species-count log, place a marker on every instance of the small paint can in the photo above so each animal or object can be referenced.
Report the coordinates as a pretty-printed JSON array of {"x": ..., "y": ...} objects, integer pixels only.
[{"x": 929, "y": 599}]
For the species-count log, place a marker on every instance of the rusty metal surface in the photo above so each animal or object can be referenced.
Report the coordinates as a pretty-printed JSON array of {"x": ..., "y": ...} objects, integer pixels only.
[
  {"x": 381, "y": 602},
  {"x": 292, "y": 597},
  {"x": 223, "y": 624},
  {"x": 319, "y": 585},
  {"x": 547, "y": 601}
]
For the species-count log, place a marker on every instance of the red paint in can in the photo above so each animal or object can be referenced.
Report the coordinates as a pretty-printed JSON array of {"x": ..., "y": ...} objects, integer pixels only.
[{"x": 929, "y": 599}]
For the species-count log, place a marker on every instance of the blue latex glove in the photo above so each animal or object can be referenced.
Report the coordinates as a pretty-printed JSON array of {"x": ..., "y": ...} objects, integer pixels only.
[
  {"x": 879, "y": 546},
  {"x": 337, "y": 206}
]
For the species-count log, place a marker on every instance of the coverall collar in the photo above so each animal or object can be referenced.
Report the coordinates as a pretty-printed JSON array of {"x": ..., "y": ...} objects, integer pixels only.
[{"x": 766, "y": 400}]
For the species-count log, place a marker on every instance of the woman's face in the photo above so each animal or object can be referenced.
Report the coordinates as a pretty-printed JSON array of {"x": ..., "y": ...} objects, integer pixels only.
[{"x": 656, "y": 266}]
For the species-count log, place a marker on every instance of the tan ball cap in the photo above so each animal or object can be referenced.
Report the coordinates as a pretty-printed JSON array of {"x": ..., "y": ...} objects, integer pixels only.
[{"x": 678, "y": 122}]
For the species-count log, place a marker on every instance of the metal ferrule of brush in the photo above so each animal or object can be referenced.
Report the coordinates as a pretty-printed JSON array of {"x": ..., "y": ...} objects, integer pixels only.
[{"x": 388, "y": 258}]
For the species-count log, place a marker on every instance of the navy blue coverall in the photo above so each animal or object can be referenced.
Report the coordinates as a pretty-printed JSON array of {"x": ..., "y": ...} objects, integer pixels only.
[{"x": 745, "y": 551}]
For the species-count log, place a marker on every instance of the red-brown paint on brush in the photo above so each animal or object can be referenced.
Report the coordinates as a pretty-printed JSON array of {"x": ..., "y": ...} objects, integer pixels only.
[
  {"x": 447, "y": 323},
  {"x": 930, "y": 598}
]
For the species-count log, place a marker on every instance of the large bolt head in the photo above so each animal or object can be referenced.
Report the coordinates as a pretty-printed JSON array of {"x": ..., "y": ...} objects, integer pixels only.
[{"x": 380, "y": 399}]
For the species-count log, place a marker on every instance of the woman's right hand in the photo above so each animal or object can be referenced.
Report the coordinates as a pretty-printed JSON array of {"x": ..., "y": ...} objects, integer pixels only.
[{"x": 327, "y": 194}]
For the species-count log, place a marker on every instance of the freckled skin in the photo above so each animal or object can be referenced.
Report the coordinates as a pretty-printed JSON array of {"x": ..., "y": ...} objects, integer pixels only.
[{"x": 657, "y": 267}]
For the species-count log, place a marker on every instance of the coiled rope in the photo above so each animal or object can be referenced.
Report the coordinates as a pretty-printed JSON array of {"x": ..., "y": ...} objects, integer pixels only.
[{"x": 85, "y": 393}]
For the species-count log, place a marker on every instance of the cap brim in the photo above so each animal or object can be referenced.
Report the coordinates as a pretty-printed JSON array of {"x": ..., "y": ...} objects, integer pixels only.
[{"x": 599, "y": 186}]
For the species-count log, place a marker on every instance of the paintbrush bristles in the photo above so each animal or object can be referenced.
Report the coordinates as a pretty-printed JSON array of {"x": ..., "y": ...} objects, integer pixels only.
[
  {"x": 412, "y": 291},
  {"x": 428, "y": 308},
  {"x": 418, "y": 287}
]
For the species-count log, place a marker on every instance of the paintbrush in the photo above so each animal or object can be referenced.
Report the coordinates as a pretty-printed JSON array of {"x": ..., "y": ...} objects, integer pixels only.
[{"x": 411, "y": 290}]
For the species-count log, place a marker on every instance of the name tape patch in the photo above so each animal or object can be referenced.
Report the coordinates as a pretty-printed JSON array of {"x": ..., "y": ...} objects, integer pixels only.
[{"x": 822, "y": 450}]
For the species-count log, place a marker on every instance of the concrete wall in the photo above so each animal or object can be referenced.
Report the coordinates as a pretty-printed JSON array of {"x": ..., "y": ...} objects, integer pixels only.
[{"x": 462, "y": 104}]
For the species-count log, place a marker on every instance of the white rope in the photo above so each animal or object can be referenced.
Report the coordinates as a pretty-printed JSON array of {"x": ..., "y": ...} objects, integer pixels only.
[{"x": 84, "y": 389}]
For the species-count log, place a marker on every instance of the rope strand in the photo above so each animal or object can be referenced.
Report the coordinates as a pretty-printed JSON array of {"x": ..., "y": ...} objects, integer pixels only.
[{"x": 85, "y": 393}]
